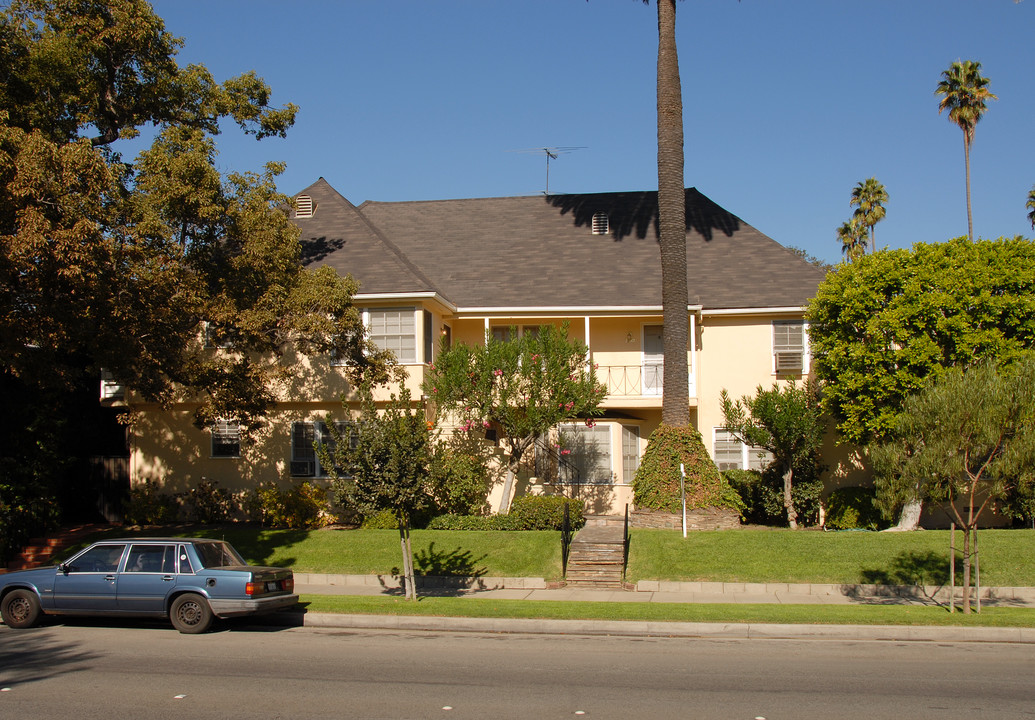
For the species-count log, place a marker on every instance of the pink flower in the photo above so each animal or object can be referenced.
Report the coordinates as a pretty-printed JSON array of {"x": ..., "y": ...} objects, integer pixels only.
[
  {"x": 497, "y": 373},
  {"x": 486, "y": 424},
  {"x": 590, "y": 422},
  {"x": 565, "y": 452}
]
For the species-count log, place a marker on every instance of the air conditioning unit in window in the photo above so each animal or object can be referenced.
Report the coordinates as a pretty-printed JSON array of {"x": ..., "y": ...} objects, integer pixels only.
[
  {"x": 789, "y": 362},
  {"x": 303, "y": 468}
]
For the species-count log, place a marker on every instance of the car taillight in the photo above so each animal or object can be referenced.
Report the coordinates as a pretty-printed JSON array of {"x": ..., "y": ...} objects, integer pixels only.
[
  {"x": 288, "y": 585},
  {"x": 254, "y": 588}
]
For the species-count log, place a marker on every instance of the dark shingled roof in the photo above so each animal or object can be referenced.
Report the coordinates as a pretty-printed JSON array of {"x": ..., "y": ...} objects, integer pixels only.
[{"x": 541, "y": 252}]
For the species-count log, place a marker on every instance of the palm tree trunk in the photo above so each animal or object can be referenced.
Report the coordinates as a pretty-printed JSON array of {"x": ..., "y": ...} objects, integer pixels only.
[
  {"x": 675, "y": 400},
  {"x": 966, "y": 158}
]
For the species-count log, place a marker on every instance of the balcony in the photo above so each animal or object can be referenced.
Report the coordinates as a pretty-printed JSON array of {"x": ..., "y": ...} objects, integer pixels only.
[{"x": 636, "y": 384}]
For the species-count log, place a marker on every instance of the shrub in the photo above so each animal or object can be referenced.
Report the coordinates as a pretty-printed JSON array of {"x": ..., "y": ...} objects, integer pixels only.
[
  {"x": 473, "y": 522},
  {"x": 546, "y": 512},
  {"x": 22, "y": 515},
  {"x": 657, "y": 482},
  {"x": 205, "y": 503},
  {"x": 303, "y": 506},
  {"x": 853, "y": 508},
  {"x": 149, "y": 506},
  {"x": 459, "y": 482},
  {"x": 762, "y": 496},
  {"x": 381, "y": 520}
]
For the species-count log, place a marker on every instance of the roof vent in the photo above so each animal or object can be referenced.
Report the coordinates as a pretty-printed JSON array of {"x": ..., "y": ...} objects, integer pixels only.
[
  {"x": 600, "y": 225},
  {"x": 304, "y": 206}
]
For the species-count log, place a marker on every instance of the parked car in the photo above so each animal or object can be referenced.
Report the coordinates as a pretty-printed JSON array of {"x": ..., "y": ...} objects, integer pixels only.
[{"x": 188, "y": 580}]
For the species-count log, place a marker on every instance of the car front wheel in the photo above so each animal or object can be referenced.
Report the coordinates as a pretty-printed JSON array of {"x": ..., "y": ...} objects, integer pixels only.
[
  {"x": 190, "y": 614},
  {"x": 20, "y": 609}
]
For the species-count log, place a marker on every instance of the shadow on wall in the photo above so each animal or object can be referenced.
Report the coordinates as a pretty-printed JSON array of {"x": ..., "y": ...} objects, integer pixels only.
[{"x": 636, "y": 214}]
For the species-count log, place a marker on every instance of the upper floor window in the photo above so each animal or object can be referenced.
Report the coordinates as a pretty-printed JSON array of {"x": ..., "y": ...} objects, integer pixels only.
[
  {"x": 226, "y": 438},
  {"x": 394, "y": 329},
  {"x": 789, "y": 346}
]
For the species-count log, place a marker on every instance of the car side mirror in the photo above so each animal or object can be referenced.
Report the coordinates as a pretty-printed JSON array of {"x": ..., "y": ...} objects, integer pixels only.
[{"x": 63, "y": 568}]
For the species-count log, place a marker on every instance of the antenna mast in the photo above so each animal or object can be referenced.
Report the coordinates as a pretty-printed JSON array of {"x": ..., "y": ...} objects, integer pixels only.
[{"x": 551, "y": 153}]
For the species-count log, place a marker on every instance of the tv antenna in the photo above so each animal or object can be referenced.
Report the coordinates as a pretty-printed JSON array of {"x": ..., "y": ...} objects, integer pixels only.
[{"x": 551, "y": 153}]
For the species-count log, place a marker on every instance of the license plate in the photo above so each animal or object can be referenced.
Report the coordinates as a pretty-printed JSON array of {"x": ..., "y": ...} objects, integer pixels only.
[{"x": 272, "y": 586}]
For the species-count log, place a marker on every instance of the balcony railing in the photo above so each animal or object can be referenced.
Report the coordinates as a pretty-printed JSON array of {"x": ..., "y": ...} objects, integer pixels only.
[{"x": 635, "y": 380}]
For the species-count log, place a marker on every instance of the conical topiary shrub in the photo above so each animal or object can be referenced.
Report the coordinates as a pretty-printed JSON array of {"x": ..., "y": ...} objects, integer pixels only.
[{"x": 656, "y": 485}]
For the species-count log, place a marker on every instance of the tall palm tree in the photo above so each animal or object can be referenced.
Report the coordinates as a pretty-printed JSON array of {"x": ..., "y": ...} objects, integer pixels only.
[
  {"x": 852, "y": 235},
  {"x": 1031, "y": 207},
  {"x": 964, "y": 94},
  {"x": 870, "y": 196},
  {"x": 675, "y": 405}
]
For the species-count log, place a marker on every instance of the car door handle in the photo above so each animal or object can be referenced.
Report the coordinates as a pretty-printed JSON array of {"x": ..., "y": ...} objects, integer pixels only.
[
  {"x": 109, "y": 578},
  {"x": 167, "y": 578}
]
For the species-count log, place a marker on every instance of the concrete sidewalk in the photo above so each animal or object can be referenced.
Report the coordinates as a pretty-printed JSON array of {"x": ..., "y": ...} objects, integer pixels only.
[
  {"x": 537, "y": 589},
  {"x": 653, "y": 591}
]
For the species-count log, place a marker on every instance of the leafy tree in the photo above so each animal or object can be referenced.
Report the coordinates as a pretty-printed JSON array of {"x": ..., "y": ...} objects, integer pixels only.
[
  {"x": 520, "y": 388},
  {"x": 967, "y": 439},
  {"x": 810, "y": 258},
  {"x": 853, "y": 239},
  {"x": 786, "y": 421},
  {"x": 126, "y": 266},
  {"x": 964, "y": 95},
  {"x": 384, "y": 464},
  {"x": 1031, "y": 207},
  {"x": 870, "y": 197},
  {"x": 885, "y": 326},
  {"x": 675, "y": 408}
]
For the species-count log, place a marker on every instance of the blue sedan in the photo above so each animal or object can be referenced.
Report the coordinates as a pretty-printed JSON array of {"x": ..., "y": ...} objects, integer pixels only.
[{"x": 189, "y": 580}]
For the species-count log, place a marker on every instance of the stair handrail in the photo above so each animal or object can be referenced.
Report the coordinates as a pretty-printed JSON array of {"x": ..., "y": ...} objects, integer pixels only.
[
  {"x": 625, "y": 543},
  {"x": 566, "y": 538}
]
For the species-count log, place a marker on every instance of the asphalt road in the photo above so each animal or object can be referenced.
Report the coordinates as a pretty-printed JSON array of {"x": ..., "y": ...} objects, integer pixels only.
[{"x": 108, "y": 670}]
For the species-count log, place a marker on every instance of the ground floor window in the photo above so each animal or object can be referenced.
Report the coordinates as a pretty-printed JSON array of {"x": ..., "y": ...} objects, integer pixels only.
[
  {"x": 730, "y": 453},
  {"x": 305, "y": 437},
  {"x": 588, "y": 450},
  {"x": 226, "y": 439}
]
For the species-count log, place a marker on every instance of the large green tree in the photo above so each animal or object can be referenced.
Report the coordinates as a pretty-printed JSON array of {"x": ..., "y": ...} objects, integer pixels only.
[
  {"x": 868, "y": 197},
  {"x": 887, "y": 325},
  {"x": 785, "y": 420},
  {"x": 128, "y": 265},
  {"x": 520, "y": 388},
  {"x": 966, "y": 440},
  {"x": 965, "y": 95}
]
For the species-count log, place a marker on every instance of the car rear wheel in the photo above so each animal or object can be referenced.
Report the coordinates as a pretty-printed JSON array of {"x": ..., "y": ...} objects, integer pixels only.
[
  {"x": 20, "y": 609},
  {"x": 190, "y": 614}
]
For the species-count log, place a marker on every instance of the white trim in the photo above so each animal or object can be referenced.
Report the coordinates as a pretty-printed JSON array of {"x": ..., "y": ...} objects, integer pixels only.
[
  {"x": 569, "y": 310},
  {"x": 795, "y": 310}
]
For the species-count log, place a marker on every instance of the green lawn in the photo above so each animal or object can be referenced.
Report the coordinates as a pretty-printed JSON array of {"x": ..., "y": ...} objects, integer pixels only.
[
  {"x": 1007, "y": 556},
  {"x": 670, "y": 612}
]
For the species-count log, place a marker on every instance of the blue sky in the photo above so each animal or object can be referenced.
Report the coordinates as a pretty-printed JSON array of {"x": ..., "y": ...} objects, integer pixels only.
[{"x": 787, "y": 104}]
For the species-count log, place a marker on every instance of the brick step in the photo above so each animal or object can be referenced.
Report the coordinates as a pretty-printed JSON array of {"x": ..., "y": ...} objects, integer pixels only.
[
  {"x": 44, "y": 551},
  {"x": 611, "y": 561}
]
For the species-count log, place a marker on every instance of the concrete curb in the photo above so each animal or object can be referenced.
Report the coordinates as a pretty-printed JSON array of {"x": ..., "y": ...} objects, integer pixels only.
[{"x": 633, "y": 628}]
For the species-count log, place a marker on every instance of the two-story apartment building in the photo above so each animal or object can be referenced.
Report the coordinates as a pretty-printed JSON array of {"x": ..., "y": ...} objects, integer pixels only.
[{"x": 455, "y": 270}]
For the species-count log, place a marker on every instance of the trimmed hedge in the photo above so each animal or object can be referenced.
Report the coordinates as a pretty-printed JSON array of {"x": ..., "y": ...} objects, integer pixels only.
[{"x": 528, "y": 512}]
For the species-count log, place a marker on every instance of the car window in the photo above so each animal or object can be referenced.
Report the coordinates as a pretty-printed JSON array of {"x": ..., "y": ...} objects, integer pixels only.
[
  {"x": 185, "y": 566},
  {"x": 217, "y": 554},
  {"x": 151, "y": 558},
  {"x": 100, "y": 558}
]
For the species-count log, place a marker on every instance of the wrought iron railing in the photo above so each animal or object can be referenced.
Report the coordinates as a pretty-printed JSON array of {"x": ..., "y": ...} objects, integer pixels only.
[
  {"x": 551, "y": 464},
  {"x": 632, "y": 380}
]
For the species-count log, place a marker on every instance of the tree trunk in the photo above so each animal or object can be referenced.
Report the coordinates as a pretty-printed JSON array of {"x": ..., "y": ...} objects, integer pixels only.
[
  {"x": 909, "y": 517},
  {"x": 966, "y": 159},
  {"x": 517, "y": 451},
  {"x": 788, "y": 500},
  {"x": 409, "y": 580},
  {"x": 675, "y": 399},
  {"x": 966, "y": 570}
]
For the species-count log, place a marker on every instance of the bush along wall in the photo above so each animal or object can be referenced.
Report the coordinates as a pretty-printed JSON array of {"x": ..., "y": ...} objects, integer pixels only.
[{"x": 657, "y": 482}]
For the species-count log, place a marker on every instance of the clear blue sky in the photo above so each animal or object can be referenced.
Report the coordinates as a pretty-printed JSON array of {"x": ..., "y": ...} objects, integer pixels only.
[{"x": 787, "y": 103}]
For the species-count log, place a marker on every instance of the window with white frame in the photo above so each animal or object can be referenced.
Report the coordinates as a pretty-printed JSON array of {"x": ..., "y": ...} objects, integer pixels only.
[
  {"x": 589, "y": 451},
  {"x": 789, "y": 346},
  {"x": 630, "y": 452},
  {"x": 393, "y": 329},
  {"x": 226, "y": 439},
  {"x": 730, "y": 453},
  {"x": 305, "y": 436}
]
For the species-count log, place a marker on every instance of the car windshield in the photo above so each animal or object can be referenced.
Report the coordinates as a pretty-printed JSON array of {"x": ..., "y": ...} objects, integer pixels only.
[{"x": 218, "y": 554}]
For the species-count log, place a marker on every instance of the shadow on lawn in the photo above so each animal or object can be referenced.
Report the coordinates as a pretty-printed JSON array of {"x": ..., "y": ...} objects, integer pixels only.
[
  {"x": 447, "y": 563},
  {"x": 912, "y": 568}
]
